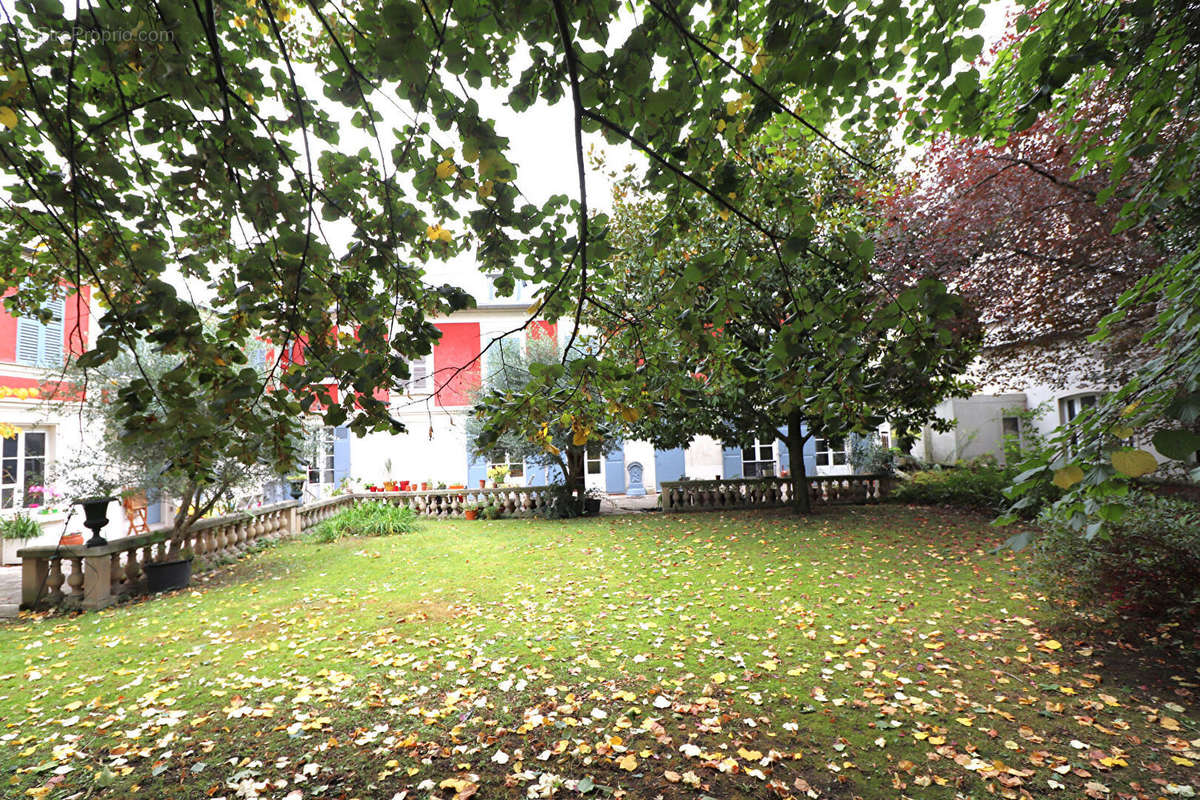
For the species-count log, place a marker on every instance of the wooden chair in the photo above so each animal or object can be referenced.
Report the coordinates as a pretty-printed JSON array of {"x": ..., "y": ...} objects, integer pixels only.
[{"x": 135, "y": 510}]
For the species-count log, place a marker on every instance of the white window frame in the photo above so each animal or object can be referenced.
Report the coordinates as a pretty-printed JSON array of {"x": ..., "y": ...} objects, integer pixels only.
[
  {"x": 823, "y": 448},
  {"x": 420, "y": 371},
  {"x": 596, "y": 460},
  {"x": 322, "y": 471},
  {"x": 1072, "y": 406},
  {"x": 752, "y": 468},
  {"x": 518, "y": 464},
  {"x": 13, "y": 477}
]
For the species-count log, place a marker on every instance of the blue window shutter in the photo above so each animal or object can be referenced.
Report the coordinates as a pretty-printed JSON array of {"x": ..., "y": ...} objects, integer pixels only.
[
  {"x": 41, "y": 345},
  {"x": 731, "y": 462},
  {"x": 810, "y": 457},
  {"x": 535, "y": 474},
  {"x": 52, "y": 336},
  {"x": 476, "y": 470},
  {"x": 614, "y": 470},
  {"x": 153, "y": 506},
  {"x": 341, "y": 454},
  {"x": 29, "y": 342},
  {"x": 668, "y": 465}
]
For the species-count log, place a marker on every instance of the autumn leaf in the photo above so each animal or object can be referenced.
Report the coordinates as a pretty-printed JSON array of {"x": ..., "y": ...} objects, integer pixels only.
[
  {"x": 1134, "y": 463},
  {"x": 1067, "y": 477},
  {"x": 8, "y": 117}
]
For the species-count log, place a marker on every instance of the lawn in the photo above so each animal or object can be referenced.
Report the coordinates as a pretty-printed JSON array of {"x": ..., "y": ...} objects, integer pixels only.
[{"x": 873, "y": 652}]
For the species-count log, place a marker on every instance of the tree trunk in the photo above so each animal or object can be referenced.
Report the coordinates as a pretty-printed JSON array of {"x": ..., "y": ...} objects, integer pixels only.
[
  {"x": 796, "y": 440},
  {"x": 574, "y": 476}
]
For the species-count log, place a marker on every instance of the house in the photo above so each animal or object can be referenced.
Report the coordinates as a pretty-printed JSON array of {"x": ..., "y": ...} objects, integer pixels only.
[
  {"x": 33, "y": 434},
  {"x": 1000, "y": 413},
  {"x": 437, "y": 399}
]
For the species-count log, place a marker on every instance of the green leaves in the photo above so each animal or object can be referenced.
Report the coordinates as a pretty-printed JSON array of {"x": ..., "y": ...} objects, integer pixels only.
[{"x": 1177, "y": 444}]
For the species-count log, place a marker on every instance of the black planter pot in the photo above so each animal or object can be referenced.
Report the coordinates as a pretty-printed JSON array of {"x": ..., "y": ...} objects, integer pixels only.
[
  {"x": 95, "y": 517},
  {"x": 296, "y": 489},
  {"x": 168, "y": 575},
  {"x": 591, "y": 506}
]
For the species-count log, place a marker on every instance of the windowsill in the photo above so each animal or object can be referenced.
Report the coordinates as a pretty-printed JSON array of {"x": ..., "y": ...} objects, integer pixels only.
[{"x": 34, "y": 514}]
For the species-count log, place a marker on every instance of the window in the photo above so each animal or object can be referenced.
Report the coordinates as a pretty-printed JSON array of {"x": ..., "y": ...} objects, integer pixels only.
[
  {"x": 758, "y": 459},
  {"x": 832, "y": 452},
  {"x": 519, "y": 293},
  {"x": 320, "y": 468},
  {"x": 500, "y": 458},
  {"x": 41, "y": 344},
  {"x": 22, "y": 469},
  {"x": 1010, "y": 426},
  {"x": 1071, "y": 407},
  {"x": 885, "y": 440},
  {"x": 420, "y": 375},
  {"x": 594, "y": 460}
]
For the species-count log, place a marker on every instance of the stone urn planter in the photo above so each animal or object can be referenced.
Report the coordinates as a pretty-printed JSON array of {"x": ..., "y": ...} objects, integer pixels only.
[
  {"x": 95, "y": 517},
  {"x": 296, "y": 486}
]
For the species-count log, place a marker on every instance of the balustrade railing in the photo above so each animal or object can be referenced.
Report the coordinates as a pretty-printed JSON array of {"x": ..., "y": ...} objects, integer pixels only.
[
  {"x": 773, "y": 492},
  {"x": 95, "y": 577}
]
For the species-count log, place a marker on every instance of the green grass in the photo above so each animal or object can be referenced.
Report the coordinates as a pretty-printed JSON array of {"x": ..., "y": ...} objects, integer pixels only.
[{"x": 868, "y": 652}]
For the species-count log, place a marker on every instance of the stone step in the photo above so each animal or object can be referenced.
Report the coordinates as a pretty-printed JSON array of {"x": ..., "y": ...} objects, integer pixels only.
[{"x": 9, "y": 610}]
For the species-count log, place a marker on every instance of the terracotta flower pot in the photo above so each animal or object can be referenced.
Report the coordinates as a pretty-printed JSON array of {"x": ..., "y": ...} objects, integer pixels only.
[
  {"x": 482, "y": 483},
  {"x": 70, "y": 539},
  {"x": 471, "y": 513}
]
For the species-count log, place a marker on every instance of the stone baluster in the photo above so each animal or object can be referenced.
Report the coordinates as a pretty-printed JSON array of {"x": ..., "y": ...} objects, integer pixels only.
[
  {"x": 75, "y": 580},
  {"x": 133, "y": 569},
  {"x": 56, "y": 580},
  {"x": 117, "y": 574}
]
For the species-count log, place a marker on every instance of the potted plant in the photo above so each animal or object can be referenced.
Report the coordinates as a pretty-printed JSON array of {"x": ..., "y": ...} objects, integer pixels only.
[
  {"x": 20, "y": 528},
  {"x": 164, "y": 576},
  {"x": 491, "y": 512},
  {"x": 471, "y": 512},
  {"x": 591, "y": 502},
  {"x": 497, "y": 474}
]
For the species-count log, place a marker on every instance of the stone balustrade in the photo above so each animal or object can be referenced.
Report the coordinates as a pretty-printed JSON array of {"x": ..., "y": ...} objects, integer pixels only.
[
  {"x": 773, "y": 492},
  {"x": 522, "y": 501},
  {"x": 95, "y": 577}
]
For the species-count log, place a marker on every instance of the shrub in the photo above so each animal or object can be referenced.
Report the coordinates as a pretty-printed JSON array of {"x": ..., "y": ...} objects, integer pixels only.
[
  {"x": 372, "y": 518},
  {"x": 562, "y": 503},
  {"x": 978, "y": 486},
  {"x": 20, "y": 526},
  {"x": 1146, "y": 563}
]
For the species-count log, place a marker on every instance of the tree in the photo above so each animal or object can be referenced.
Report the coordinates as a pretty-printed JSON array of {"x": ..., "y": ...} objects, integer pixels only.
[
  {"x": 110, "y": 460},
  {"x": 734, "y": 338},
  {"x": 1025, "y": 242},
  {"x": 556, "y": 430},
  {"x": 1143, "y": 53},
  {"x": 146, "y": 139}
]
